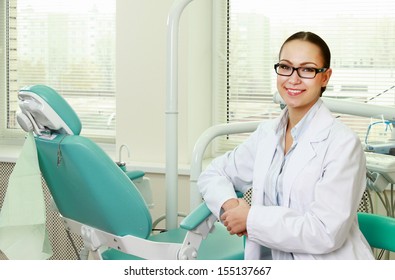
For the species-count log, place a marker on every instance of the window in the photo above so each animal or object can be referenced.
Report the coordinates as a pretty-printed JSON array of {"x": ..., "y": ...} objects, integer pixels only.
[
  {"x": 360, "y": 34},
  {"x": 69, "y": 46}
]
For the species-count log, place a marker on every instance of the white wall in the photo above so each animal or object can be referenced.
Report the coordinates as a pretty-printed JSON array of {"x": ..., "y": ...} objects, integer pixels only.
[
  {"x": 141, "y": 76},
  {"x": 141, "y": 86}
]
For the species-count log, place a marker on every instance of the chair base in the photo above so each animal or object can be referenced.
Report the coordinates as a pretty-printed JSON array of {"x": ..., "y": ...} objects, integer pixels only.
[{"x": 219, "y": 245}]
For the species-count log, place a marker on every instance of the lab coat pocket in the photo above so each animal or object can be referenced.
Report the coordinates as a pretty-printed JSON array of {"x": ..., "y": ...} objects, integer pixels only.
[{"x": 303, "y": 190}]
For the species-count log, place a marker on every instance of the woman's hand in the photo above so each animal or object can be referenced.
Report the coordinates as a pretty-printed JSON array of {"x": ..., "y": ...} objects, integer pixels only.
[
  {"x": 230, "y": 203},
  {"x": 235, "y": 216}
]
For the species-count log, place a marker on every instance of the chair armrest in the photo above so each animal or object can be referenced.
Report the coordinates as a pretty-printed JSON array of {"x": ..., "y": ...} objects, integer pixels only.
[
  {"x": 135, "y": 174},
  {"x": 196, "y": 217}
]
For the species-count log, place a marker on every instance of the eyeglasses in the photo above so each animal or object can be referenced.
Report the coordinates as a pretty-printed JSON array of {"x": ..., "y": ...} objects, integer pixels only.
[{"x": 303, "y": 72}]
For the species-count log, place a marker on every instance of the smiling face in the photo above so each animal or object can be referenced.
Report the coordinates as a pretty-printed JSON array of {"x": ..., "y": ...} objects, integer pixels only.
[{"x": 300, "y": 94}]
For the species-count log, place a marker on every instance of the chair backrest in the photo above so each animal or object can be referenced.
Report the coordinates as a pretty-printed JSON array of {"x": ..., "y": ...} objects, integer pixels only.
[
  {"x": 378, "y": 230},
  {"x": 86, "y": 184}
]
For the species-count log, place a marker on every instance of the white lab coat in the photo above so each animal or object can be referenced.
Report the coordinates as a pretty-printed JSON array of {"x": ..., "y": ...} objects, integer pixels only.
[{"x": 323, "y": 185}]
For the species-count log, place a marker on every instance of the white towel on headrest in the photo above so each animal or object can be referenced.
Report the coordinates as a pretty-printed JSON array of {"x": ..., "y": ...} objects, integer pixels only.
[{"x": 23, "y": 235}]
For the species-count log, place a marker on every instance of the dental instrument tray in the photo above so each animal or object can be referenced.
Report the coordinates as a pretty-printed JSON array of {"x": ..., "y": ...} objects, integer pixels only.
[{"x": 381, "y": 163}]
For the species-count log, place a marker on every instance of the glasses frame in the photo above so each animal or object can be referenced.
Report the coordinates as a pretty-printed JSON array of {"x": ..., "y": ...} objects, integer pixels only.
[{"x": 317, "y": 71}]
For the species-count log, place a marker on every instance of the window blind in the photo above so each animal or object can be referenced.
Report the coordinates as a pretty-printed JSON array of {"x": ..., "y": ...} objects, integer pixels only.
[
  {"x": 69, "y": 46},
  {"x": 360, "y": 34}
]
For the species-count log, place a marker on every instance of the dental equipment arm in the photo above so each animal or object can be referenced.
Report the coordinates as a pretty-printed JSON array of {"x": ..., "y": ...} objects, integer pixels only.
[{"x": 344, "y": 106}]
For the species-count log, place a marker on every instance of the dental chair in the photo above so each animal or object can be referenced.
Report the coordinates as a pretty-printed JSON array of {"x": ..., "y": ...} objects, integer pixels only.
[{"x": 99, "y": 202}]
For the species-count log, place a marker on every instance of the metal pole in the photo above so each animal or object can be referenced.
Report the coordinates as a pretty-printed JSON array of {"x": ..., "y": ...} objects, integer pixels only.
[{"x": 172, "y": 113}]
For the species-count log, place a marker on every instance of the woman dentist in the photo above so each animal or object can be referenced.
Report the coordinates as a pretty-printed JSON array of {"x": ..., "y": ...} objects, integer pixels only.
[{"x": 306, "y": 169}]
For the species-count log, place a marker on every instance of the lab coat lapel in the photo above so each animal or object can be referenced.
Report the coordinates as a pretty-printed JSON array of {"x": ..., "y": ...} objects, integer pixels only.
[
  {"x": 302, "y": 155},
  {"x": 317, "y": 131},
  {"x": 264, "y": 159}
]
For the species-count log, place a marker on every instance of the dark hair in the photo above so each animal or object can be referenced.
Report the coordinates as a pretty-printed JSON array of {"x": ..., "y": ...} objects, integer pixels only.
[{"x": 316, "y": 40}]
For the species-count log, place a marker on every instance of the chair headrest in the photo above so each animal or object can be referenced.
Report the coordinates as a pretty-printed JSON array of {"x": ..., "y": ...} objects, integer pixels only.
[{"x": 43, "y": 109}]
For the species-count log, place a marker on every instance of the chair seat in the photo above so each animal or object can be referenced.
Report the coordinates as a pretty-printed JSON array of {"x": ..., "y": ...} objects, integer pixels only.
[
  {"x": 378, "y": 230},
  {"x": 219, "y": 245}
]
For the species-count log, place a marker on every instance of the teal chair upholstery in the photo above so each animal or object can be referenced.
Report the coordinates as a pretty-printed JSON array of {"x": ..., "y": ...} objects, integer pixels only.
[
  {"x": 378, "y": 230},
  {"x": 99, "y": 202}
]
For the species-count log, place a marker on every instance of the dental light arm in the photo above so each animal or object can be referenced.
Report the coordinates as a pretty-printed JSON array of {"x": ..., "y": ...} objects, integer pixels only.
[
  {"x": 344, "y": 106},
  {"x": 362, "y": 110},
  {"x": 354, "y": 108}
]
